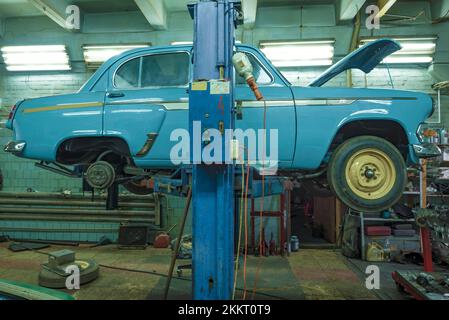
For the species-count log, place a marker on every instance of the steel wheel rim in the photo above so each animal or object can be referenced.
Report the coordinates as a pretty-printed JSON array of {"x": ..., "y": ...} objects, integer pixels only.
[{"x": 370, "y": 173}]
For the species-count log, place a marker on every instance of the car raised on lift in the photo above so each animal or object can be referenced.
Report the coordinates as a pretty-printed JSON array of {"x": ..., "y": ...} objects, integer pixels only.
[{"x": 122, "y": 117}]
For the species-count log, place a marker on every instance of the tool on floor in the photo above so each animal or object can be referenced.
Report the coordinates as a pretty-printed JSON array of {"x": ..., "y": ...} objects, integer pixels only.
[
  {"x": 51, "y": 242},
  {"x": 24, "y": 246},
  {"x": 102, "y": 242},
  {"x": 427, "y": 285},
  {"x": 55, "y": 272},
  {"x": 162, "y": 240},
  {"x": 14, "y": 290},
  {"x": 133, "y": 236}
]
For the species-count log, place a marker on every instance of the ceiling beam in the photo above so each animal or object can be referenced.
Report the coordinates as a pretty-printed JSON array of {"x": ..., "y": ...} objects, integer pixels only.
[
  {"x": 384, "y": 6},
  {"x": 440, "y": 9},
  {"x": 349, "y": 8},
  {"x": 249, "y": 8},
  {"x": 155, "y": 12},
  {"x": 2, "y": 27},
  {"x": 57, "y": 11}
]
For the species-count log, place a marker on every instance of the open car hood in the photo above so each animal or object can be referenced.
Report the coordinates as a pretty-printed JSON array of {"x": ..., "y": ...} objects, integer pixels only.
[{"x": 365, "y": 58}]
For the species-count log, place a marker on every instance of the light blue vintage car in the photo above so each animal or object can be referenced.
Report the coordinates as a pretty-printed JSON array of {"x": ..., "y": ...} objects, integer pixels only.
[{"x": 124, "y": 114}]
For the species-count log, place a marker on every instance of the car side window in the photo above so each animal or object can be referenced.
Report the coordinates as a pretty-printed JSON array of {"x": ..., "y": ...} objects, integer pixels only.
[
  {"x": 162, "y": 70},
  {"x": 127, "y": 75},
  {"x": 260, "y": 74}
]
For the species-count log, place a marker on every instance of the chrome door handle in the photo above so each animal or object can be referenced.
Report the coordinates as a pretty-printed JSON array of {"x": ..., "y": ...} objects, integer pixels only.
[{"x": 115, "y": 94}]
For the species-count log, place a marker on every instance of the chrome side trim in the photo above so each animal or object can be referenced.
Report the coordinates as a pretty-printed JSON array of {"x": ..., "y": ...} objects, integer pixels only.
[
  {"x": 183, "y": 104},
  {"x": 147, "y": 101},
  {"x": 176, "y": 106},
  {"x": 168, "y": 105},
  {"x": 261, "y": 104},
  {"x": 64, "y": 107}
]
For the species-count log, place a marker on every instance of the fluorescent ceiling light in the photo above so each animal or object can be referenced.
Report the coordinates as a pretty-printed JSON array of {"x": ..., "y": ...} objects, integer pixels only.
[
  {"x": 181, "y": 43},
  {"x": 299, "y": 53},
  {"x": 302, "y": 63},
  {"x": 405, "y": 59},
  {"x": 186, "y": 43},
  {"x": 43, "y": 67},
  {"x": 96, "y": 55},
  {"x": 414, "y": 50},
  {"x": 36, "y": 58}
]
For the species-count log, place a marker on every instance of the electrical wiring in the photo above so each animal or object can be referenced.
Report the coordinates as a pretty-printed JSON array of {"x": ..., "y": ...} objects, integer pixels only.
[
  {"x": 155, "y": 273},
  {"x": 243, "y": 211},
  {"x": 236, "y": 268},
  {"x": 262, "y": 200},
  {"x": 245, "y": 257}
]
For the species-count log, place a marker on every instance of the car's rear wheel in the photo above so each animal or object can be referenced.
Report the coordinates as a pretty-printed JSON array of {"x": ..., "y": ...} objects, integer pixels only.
[
  {"x": 367, "y": 173},
  {"x": 108, "y": 166}
]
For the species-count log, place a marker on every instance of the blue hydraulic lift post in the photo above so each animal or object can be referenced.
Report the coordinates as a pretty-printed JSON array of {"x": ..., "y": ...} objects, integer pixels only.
[{"x": 211, "y": 102}]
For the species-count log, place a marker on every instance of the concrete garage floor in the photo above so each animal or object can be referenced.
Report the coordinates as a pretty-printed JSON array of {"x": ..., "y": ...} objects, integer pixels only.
[{"x": 307, "y": 274}]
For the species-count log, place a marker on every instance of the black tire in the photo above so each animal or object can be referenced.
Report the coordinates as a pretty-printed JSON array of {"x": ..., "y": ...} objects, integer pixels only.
[
  {"x": 53, "y": 280},
  {"x": 372, "y": 148},
  {"x": 134, "y": 187}
]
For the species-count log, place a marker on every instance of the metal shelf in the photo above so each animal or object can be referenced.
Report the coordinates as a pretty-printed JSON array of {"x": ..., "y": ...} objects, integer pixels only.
[
  {"x": 389, "y": 220},
  {"x": 363, "y": 219},
  {"x": 415, "y": 193}
]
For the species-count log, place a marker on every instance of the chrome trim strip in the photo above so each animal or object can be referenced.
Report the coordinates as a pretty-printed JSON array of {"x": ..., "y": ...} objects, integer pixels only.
[
  {"x": 64, "y": 107},
  {"x": 183, "y": 103},
  {"x": 147, "y": 100},
  {"x": 169, "y": 105},
  {"x": 311, "y": 102},
  {"x": 176, "y": 106},
  {"x": 261, "y": 104}
]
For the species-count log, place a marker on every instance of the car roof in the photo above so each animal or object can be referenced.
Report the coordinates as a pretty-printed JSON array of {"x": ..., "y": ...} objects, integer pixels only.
[
  {"x": 180, "y": 47},
  {"x": 172, "y": 48}
]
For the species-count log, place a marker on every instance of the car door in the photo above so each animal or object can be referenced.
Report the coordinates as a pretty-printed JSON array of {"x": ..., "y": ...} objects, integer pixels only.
[
  {"x": 280, "y": 111},
  {"x": 146, "y": 99}
]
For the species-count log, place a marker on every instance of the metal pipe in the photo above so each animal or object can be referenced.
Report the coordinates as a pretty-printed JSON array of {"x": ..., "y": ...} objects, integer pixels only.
[
  {"x": 75, "y": 211},
  {"x": 84, "y": 218},
  {"x": 59, "y": 230},
  {"x": 58, "y": 171},
  {"x": 68, "y": 203},
  {"x": 58, "y": 243},
  {"x": 42, "y": 195},
  {"x": 311, "y": 175},
  {"x": 354, "y": 43},
  {"x": 178, "y": 243}
]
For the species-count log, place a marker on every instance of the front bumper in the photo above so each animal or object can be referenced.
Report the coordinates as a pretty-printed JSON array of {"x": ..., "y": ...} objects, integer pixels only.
[
  {"x": 426, "y": 150},
  {"x": 15, "y": 146}
]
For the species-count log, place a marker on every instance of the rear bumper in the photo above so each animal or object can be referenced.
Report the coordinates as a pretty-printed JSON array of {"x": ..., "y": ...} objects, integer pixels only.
[
  {"x": 15, "y": 146},
  {"x": 426, "y": 150}
]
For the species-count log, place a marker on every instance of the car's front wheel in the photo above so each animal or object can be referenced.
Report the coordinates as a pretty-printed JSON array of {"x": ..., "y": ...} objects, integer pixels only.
[{"x": 367, "y": 173}]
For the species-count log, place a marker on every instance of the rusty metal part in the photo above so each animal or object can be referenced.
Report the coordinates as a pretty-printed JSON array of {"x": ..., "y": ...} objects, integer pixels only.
[
  {"x": 100, "y": 175},
  {"x": 148, "y": 144}
]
